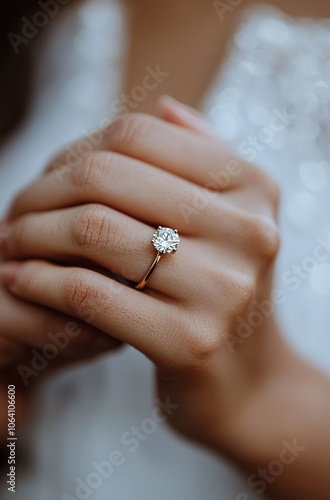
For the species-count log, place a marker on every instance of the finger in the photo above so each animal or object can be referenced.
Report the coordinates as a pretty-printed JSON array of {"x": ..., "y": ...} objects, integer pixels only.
[
  {"x": 132, "y": 187},
  {"x": 253, "y": 197},
  {"x": 176, "y": 149},
  {"x": 104, "y": 236},
  {"x": 130, "y": 316},
  {"x": 186, "y": 153},
  {"x": 173, "y": 111},
  {"x": 25, "y": 326}
]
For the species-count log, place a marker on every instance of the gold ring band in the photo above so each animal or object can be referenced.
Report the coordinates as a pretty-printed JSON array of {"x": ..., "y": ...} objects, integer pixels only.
[
  {"x": 147, "y": 276},
  {"x": 165, "y": 240}
]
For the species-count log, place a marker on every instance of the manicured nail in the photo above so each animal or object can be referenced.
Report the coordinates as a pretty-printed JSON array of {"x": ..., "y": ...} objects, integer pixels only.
[
  {"x": 8, "y": 272},
  {"x": 188, "y": 115}
]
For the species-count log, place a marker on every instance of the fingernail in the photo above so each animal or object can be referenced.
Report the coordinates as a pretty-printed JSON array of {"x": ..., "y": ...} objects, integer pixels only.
[
  {"x": 187, "y": 114},
  {"x": 8, "y": 272}
]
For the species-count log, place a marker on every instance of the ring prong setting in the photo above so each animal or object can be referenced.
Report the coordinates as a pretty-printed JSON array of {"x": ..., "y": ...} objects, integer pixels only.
[{"x": 166, "y": 240}]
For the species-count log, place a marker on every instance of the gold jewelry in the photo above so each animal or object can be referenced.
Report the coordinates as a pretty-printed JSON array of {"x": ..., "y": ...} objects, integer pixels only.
[{"x": 165, "y": 240}]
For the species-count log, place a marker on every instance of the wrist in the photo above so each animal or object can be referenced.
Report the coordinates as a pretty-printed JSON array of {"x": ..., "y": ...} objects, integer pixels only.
[
  {"x": 288, "y": 403},
  {"x": 260, "y": 373}
]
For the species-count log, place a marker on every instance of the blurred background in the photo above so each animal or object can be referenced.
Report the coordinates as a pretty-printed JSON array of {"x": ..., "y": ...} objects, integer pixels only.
[{"x": 64, "y": 65}]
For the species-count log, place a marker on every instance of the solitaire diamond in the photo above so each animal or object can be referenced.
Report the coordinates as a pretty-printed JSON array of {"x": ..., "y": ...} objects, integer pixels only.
[{"x": 166, "y": 240}]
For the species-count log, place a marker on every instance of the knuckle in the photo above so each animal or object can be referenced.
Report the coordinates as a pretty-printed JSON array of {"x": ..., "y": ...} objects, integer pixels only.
[
  {"x": 91, "y": 228},
  {"x": 89, "y": 175},
  {"x": 201, "y": 340},
  {"x": 265, "y": 235},
  {"x": 81, "y": 295},
  {"x": 245, "y": 291},
  {"x": 131, "y": 133},
  {"x": 235, "y": 291},
  {"x": 269, "y": 187},
  {"x": 272, "y": 189},
  {"x": 203, "y": 346}
]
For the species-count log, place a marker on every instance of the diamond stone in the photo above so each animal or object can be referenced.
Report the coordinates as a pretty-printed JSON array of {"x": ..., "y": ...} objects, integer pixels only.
[{"x": 165, "y": 240}]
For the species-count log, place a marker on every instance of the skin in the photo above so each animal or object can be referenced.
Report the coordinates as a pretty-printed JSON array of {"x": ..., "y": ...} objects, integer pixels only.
[
  {"x": 227, "y": 394},
  {"x": 189, "y": 40},
  {"x": 242, "y": 404}
]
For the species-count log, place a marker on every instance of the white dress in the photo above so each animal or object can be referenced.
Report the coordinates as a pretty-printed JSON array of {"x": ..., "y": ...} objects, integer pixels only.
[{"x": 271, "y": 102}]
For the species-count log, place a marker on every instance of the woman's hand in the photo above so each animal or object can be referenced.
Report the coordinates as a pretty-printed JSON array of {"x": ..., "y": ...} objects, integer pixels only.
[
  {"x": 189, "y": 318},
  {"x": 36, "y": 341}
]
